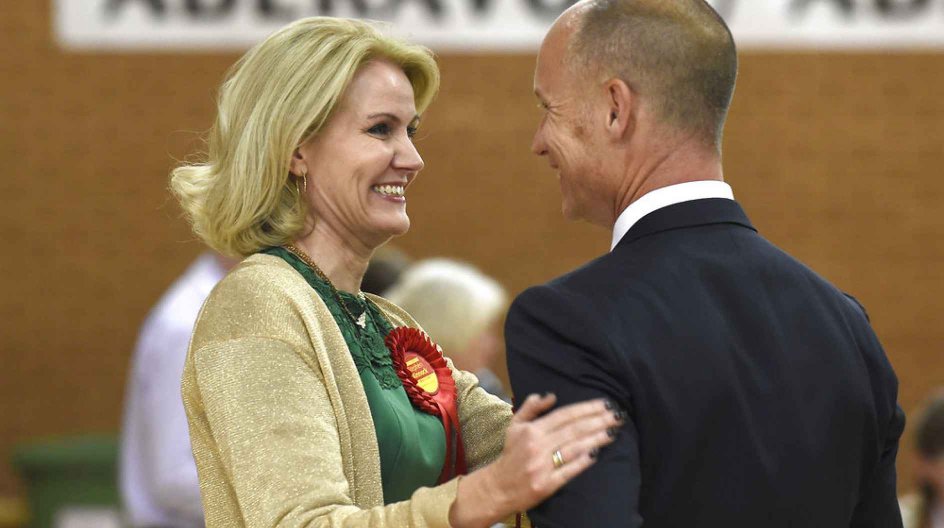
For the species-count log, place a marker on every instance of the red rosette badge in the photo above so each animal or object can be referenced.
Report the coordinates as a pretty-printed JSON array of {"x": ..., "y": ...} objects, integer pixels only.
[{"x": 430, "y": 386}]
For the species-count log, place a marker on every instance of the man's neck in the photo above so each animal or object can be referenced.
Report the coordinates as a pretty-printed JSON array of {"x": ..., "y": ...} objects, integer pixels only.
[
  {"x": 680, "y": 165},
  {"x": 343, "y": 258}
]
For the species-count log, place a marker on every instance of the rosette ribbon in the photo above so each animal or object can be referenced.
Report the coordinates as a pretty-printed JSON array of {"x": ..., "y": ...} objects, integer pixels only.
[{"x": 430, "y": 386}]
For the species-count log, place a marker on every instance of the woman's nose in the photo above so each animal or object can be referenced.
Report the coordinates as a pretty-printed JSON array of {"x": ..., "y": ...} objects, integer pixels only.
[{"x": 408, "y": 157}]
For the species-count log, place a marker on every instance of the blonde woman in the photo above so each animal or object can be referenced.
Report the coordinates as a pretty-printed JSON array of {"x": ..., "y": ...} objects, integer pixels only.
[
  {"x": 305, "y": 401},
  {"x": 461, "y": 308}
]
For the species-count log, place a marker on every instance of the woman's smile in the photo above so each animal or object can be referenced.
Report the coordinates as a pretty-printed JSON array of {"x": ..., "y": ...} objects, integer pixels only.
[{"x": 393, "y": 192}]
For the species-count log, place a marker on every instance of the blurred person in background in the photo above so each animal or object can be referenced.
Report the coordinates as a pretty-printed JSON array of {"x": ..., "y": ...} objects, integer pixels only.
[
  {"x": 384, "y": 270},
  {"x": 461, "y": 309},
  {"x": 301, "y": 405},
  {"x": 925, "y": 507},
  {"x": 157, "y": 474}
]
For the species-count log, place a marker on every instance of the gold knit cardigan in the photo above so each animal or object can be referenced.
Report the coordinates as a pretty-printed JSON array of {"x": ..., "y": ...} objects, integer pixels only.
[{"x": 279, "y": 422}]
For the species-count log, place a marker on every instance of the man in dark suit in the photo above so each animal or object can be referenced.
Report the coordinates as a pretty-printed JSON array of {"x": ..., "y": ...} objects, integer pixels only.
[{"x": 756, "y": 393}]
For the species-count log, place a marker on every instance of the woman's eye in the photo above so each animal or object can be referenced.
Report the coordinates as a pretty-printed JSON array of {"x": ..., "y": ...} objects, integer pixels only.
[
  {"x": 411, "y": 131},
  {"x": 380, "y": 129}
]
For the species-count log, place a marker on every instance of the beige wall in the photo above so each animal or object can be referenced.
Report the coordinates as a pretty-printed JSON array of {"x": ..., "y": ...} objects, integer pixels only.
[{"x": 837, "y": 158}]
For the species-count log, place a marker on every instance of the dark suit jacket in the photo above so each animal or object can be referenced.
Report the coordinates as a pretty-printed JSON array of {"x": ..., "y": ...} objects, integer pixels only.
[{"x": 758, "y": 395}]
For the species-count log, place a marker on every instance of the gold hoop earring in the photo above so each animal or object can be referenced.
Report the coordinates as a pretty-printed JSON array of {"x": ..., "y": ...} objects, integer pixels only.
[{"x": 304, "y": 178}]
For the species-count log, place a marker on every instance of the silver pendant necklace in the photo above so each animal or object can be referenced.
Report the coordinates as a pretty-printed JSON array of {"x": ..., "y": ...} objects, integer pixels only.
[{"x": 359, "y": 321}]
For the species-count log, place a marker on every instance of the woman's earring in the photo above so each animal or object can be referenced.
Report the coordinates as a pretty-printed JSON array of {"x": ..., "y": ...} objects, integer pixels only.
[{"x": 304, "y": 177}]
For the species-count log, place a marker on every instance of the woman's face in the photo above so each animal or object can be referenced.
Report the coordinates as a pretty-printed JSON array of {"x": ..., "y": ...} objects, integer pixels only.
[{"x": 361, "y": 162}]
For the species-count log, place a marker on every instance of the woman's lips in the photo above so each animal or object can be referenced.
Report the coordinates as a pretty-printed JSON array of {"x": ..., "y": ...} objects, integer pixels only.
[{"x": 390, "y": 191}]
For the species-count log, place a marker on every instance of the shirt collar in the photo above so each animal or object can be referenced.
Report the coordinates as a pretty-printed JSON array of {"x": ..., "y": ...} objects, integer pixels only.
[{"x": 664, "y": 197}]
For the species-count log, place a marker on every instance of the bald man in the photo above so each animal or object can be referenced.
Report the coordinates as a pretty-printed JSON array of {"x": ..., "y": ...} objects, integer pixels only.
[{"x": 756, "y": 393}]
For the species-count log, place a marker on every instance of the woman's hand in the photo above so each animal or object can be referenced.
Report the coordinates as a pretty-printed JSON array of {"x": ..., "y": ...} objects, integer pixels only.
[{"x": 529, "y": 469}]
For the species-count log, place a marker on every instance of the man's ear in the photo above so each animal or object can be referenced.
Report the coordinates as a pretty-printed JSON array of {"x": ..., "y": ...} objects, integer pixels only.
[{"x": 620, "y": 100}]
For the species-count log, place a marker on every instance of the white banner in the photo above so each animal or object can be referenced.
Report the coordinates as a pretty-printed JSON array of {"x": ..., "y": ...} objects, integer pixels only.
[{"x": 480, "y": 25}]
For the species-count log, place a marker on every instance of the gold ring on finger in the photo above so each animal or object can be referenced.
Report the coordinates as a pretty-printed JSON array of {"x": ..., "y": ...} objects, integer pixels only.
[{"x": 558, "y": 459}]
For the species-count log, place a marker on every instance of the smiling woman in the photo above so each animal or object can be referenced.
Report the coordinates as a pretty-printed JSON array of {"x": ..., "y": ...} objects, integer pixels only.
[
  {"x": 362, "y": 161},
  {"x": 309, "y": 402},
  {"x": 279, "y": 96}
]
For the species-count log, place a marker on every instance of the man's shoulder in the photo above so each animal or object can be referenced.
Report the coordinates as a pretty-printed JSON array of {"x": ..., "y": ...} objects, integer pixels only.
[
  {"x": 598, "y": 274},
  {"x": 575, "y": 284},
  {"x": 584, "y": 295},
  {"x": 787, "y": 265},
  {"x": 657, "y": 275}
]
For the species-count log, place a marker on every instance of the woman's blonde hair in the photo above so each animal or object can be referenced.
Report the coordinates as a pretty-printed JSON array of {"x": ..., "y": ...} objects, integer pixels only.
[
  {"x": 452, "y": 301},
  {"x": 240, "y": 198}
]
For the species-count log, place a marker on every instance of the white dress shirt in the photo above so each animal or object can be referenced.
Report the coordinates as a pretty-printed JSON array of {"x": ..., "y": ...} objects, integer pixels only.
[
  {"x": 158, "y": 476},
  {"x": 664, "y": 197}
]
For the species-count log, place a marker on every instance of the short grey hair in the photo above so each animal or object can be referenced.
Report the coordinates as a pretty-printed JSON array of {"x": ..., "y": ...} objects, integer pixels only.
[
  {"x": 453, "y": 301},
  {"x": 678, "y": 54}
]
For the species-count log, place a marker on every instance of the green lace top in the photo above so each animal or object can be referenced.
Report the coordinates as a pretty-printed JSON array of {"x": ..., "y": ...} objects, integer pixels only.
[{"x": 412, "y": 443}]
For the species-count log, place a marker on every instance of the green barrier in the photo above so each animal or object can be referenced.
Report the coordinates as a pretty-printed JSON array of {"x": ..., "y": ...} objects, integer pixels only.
[{"x": 71, "y": 482}]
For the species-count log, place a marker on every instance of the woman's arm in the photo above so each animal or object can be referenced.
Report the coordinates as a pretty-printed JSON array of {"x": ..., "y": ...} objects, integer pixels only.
[
  {"x": 483, "y": 419},
  {"x": 269, "y": 444},
  {"x": 266, "y": 443}
]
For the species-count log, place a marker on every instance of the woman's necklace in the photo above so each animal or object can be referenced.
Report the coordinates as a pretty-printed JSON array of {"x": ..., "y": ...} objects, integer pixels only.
[{"x": 359, "y": 321}]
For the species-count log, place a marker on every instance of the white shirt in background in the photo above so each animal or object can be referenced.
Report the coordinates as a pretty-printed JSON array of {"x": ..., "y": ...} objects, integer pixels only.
[{"x": 157, "y": 475}]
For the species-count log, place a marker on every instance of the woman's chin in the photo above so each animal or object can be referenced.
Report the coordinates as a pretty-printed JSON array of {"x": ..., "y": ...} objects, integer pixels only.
[{"x": 392, "y": 227}]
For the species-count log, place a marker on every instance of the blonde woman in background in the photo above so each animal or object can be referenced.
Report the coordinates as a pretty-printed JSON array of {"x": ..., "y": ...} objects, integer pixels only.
[
  {"x": 462, "y": 309},
  {"x": 925, "y": 507},
  {"x": 299, "y": 414}
]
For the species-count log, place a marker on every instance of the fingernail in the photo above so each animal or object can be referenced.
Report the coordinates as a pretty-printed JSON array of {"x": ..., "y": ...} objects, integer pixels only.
[
  {"x": 612, "y": 431},
  {"x": 547, "y": 394},
  {"x": 594, "y": 452},
  {"x": 609, "y": 404},
  {"x": 620, "y": 415}
]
